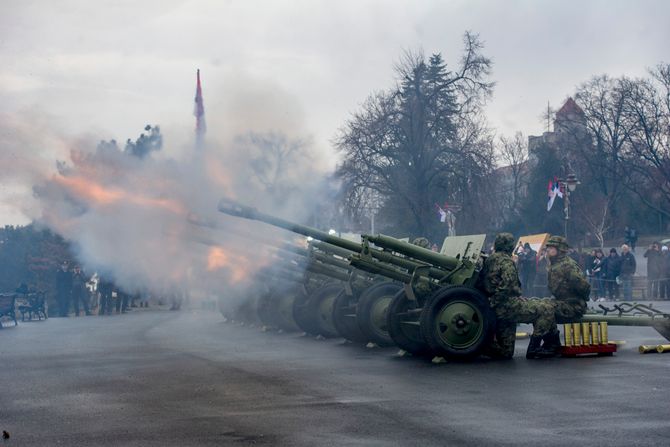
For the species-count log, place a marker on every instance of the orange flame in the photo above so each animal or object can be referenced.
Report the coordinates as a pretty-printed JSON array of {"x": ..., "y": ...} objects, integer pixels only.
[
  {"x": 93, "y": 192},
  {"x": 217, "y": 258}
]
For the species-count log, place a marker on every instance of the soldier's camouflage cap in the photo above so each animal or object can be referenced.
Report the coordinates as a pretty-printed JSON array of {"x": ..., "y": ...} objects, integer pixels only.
[
  {"x": 559, "y": 242},
  {"x": 421, "y": 242},
  {"x": 504, "y": 243}
]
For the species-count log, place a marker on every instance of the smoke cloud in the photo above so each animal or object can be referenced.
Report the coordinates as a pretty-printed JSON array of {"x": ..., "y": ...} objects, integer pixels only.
[{"x": 149, "y": 221}]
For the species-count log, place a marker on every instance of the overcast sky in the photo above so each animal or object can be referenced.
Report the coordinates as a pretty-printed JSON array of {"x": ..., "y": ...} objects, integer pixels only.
[{"x": 107, "y": 68}]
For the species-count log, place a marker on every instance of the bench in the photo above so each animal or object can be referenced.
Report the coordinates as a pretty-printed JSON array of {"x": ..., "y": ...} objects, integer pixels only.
[
  {"x": 33, "y": 304},
  {"x": 7, "y": 306}
]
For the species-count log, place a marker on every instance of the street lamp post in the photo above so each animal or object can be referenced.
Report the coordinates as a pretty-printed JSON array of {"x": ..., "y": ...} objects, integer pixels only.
[{"x": 569, "y": 185}]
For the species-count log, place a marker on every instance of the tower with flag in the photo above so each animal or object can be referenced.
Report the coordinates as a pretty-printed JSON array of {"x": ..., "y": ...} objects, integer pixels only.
[{"x": 199, "y": 112}]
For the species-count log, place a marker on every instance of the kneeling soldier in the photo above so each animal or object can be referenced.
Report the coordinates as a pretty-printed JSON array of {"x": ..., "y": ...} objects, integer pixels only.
[
  {"x": 569, "y": 287},
  {"x": 499, "y": 279}
]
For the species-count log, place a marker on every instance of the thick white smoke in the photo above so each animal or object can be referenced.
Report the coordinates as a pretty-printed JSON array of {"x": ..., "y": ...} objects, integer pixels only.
[{"x": 152, "y": 222}]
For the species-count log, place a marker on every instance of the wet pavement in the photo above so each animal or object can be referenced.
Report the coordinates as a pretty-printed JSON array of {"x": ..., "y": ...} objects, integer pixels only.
[{"x": 158, "y": 378}]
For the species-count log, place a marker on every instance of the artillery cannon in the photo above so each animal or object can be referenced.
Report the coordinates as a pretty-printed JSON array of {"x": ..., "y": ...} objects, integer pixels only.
[
  {"x": 433, "y": 307},
  {"x": 325, "y": 307},
  {"x": 295, "y": 275}
]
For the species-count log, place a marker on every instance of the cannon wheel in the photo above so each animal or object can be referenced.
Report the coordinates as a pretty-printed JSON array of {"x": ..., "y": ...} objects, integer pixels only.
[
  {"x": 284, "y": 308},
  {"x": 344, "y": 317},
  {"x": 457, "y": 322},
  {"x": 266, "y": 309},
  {"x": 406, "y": 336},
  {"x": 372, "y": 314},
  {"x": 301, "y": 314},
  {"x": 319, "y": 307},
  {"x": 247, "y": 311}
]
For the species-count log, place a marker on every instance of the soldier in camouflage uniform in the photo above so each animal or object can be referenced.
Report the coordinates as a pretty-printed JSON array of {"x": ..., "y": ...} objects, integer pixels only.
[
  {"x": 421, "y": 242},
  {"x": 499, "y": 279},
  {"x": 569, "y": 287}
]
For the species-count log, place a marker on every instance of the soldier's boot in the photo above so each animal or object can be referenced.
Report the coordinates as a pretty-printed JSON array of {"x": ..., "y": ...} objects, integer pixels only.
[
  {"x": 552, "y": 343},
  {"x": 535, "y": 349},
  {"x": 497, "y": 352}
]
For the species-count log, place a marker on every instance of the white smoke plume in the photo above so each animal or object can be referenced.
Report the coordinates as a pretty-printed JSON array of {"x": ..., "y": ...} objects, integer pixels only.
[{"x": 150, "y": 222}]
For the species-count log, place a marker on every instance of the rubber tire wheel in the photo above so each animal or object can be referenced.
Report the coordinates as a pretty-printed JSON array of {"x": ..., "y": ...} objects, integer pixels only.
[
  {"x": 347, "y": 326},
  {"x": 284, "y": 307},
  {"x": 301, "y": 315},
  {"x": 247, "y": 311},
  {"x": 266, "y": 309},
  {"x": 369, "y": 298},
  {"x": 313, "y": 307},
  {"x": 414, "y": 345},
  {"x": 436, "y": 302}
]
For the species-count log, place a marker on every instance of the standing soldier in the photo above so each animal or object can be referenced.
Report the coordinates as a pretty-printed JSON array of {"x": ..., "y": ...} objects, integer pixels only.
[
  {"x": 79, "y": 291},
  {"x": 569, "y": 286},
  {"x": 499, "y": 279},
  {"x": 64, "y": 289},
  {"x": 105, "y": 288}
]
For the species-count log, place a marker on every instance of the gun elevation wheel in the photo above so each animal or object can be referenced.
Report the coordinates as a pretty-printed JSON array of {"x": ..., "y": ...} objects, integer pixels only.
[
  {"x": 403, "y": 325},
  {"x": 457, "y": 322},
  {"x": 372, "y": 315}
]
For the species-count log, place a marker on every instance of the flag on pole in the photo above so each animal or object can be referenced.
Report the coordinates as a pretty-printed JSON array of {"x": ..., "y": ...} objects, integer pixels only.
[
  {"x": 443, "y": 214},
  {"x": 199, "y": 112},
  {"x": 554, "y": 190}
]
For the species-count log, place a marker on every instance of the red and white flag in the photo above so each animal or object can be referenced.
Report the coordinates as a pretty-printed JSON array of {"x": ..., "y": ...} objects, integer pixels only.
[{"x": 554, "y": 190}]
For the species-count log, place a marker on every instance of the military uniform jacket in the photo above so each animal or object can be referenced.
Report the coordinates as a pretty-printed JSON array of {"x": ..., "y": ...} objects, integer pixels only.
[
  {"x": 499, "y": 279},
  {"x": 567, "y": 282}
]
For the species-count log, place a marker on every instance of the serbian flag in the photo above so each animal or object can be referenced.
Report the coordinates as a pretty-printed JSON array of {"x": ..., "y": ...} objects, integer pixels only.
[
  {"x": 442, "y": 212},
  {"x": 553, "y": 191},
  {"x": 199, "y": 111}
]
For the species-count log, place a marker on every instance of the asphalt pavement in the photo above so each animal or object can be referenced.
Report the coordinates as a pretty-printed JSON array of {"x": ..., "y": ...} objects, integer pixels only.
[{"x": 160, "y": 378}]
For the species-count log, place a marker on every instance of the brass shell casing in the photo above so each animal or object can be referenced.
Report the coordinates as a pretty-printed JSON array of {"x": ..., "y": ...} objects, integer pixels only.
[
  {"x": 577, "y": 334},
  {"x": 603, "y": 333},
  {"x": 567, "y": 334},
  {"x": 646, "y": 349},
  {"x": 662, "y": 348},
  {"x": 595, "y": 333},
  {"x": 586, "y": 328}
]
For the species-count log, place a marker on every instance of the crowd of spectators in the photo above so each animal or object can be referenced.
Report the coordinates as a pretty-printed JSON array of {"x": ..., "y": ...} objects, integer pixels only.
[
  {"x": 611, "y": 275},
  {"x": 76, "y": 291}
]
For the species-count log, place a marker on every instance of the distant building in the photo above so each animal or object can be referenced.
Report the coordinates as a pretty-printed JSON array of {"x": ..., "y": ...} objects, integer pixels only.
[{"x": 569, "y": 130}]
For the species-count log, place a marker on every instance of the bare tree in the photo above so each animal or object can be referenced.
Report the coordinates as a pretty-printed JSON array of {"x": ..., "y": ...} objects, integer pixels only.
[
  {"x": 513, "y": 156},
  {"x": 272, "y": 155},
  {"x": 423, "y": 141},
  {"x": 648, "y": 155}
]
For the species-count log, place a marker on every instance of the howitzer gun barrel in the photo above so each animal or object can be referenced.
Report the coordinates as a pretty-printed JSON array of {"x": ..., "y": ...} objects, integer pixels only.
[
  {"x": 302, "y": 255},
  {"x": 331, "y": 249},
  {"x": 233, "y": 208},
  {"x": 331, "y": 261},
  {"x": 322, "y": 269},
  {"x": 414, "y": 251}
]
